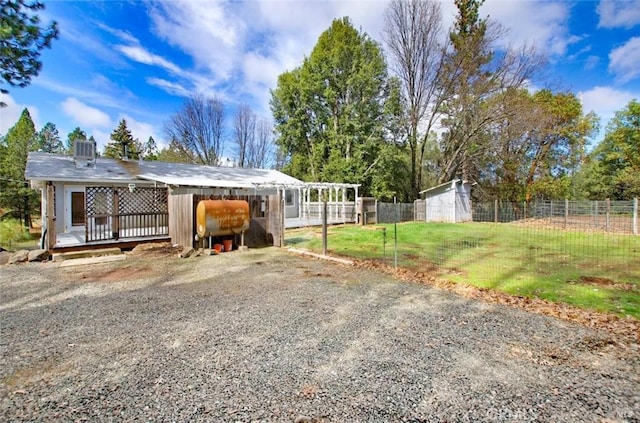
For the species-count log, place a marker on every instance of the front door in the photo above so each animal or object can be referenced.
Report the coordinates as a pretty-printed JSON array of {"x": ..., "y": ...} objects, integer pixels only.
[{"x": 74, "y": 209}]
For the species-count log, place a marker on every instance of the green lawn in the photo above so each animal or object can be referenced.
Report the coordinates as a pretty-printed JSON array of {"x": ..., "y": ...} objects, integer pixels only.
[
  {"x": 14, "y": 236},
  {"x": 589, "y": 270}
]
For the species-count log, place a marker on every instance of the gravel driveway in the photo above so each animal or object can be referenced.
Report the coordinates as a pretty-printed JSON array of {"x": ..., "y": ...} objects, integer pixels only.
[{"x": 270, "y": 336}]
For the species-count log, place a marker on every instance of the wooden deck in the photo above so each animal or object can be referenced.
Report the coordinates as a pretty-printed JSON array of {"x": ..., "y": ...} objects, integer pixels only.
[{"x": 75, "y": 241}]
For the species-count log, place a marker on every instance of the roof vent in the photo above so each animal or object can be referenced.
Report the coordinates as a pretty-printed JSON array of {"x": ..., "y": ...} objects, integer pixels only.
[{"x": 84, "y": 153}]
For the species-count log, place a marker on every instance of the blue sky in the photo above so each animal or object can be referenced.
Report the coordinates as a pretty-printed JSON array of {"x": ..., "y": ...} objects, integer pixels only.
[{"x": 138, "y": 60}]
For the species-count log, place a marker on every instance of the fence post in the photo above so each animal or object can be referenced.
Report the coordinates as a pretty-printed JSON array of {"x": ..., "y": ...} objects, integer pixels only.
[
  {"x": 525, "y": 209},
  {"x": 324, "y": 225},
  {"x": 608, "y": 214},
  {"x": 425, "y": 209},
  {"x": 395, "y": 235},
  {"x": 566, "y": 212},
  {"x": 635, "y": 216},
  {"x": 495, "y": 211},
  {"x": 376, "y": 212}
]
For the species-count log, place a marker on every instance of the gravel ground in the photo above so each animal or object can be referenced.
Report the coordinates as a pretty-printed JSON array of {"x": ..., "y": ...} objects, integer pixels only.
[{"x": 269, "y": 336}]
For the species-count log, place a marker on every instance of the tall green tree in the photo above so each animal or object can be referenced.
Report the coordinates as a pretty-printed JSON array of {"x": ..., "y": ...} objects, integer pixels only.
[
  {"x": 174, "y": 153},
  {"x": 538, "y": 147},
  {"x": 479, "y": 78},
  {"x": 150, "y": 149},
  {"x": 15, "y": 193},
  {"x": 122, "y": 143},
  {"x": 328, "y": 112},
  {"x": 21, "y": 39},
  {"x": 612, "y": 170},
  {"x": 49, "y": 139}
]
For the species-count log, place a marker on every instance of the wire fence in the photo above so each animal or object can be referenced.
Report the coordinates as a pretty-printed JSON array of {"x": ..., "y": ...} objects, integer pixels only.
[
  {"x": 604, "y": 216},
  {"x": 395, "y": 212},
  {"x": 588, "y": 249}
]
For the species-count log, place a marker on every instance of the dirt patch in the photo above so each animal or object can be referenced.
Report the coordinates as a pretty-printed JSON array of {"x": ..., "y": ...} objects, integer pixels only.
[
  {"x": 118, "y": 275},
  {"x": 616, "y": 224},
  {"x": 594, "y": 280},
  {"x": 606, "y": 282}
]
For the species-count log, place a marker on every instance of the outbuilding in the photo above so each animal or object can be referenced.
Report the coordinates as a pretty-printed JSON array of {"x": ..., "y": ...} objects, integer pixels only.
[{"x": 448, "y": 202}]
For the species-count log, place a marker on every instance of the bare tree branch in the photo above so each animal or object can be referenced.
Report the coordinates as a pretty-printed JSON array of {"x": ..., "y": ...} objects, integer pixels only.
[
  {"x": 412, "y": 32},
  {"x": 198, "y": 128},
  {"x": 244, "y": 128}
]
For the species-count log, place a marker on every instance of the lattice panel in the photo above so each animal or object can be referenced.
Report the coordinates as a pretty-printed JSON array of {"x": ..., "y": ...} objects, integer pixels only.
[
  {"x": 99, "y": 201},
  {"x": 142, "y": 200}
]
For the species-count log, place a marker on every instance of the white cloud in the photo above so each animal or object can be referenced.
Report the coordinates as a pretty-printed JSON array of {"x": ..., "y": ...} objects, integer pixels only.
[
  {"x": 592, "y": 62},
  {"x": 78, "y": 35},
  {"x": 84, "y": 114},
  {"x": 624, "y": 61},
  {"x": 172, "y": 88},
  {"x": 123, "y": 35},
  {"x": 605, "y": 102},
  {"x": 543, "y": 24},
  {"x": 141, "y": 55},
  {"x": 82, "y": 92},
  {"x": 616, "y": 14},
  {"x": 10, "y": 114},
  {"x": 243, "y": 47},
  {"x": 208, "y": 31}
]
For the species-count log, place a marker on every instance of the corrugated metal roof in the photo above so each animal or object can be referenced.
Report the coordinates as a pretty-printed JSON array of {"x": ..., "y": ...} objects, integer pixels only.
[
  {"x": 450, "y": 183},
  {"x": 54, "y": 167}
]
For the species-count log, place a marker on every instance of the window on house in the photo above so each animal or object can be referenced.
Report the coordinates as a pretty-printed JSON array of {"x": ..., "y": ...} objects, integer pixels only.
[
  {"x": 77, "y": 208},
  {"x": 288, "y": 198}
]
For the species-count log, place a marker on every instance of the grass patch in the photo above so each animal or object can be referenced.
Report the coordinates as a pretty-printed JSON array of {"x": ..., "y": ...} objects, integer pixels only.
[
  {"x": 15, "y": 236},
  {"x": 589, "y": 270}
]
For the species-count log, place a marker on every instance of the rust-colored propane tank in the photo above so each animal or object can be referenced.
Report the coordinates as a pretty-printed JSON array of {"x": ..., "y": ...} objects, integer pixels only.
[{"x": 221, "y": 217}]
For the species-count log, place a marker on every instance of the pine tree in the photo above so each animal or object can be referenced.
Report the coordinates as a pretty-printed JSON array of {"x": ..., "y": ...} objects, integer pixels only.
[
  {"x": 15, "y": 193},
  {"x": 21, "y": 40},
  {"x": 49, "y": 139},
  {"x": 76, "y": 134},
  {"x": 122, "y": 144},
  {"x": 150, "y": 151}
]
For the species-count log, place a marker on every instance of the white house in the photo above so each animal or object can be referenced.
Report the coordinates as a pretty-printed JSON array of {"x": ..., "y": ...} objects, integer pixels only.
[{"x": 89, "y": 201}]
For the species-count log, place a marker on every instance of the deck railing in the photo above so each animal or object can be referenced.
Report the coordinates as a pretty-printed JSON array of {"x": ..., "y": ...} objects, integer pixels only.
[
  {"x": 335, "y": 211},
  {"x": 128, "y": 225}
]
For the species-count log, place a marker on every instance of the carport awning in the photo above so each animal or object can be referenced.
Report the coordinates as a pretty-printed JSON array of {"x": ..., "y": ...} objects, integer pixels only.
[
  {"x": 196, "y": 182},
  {"x": 217, "y": 183}
]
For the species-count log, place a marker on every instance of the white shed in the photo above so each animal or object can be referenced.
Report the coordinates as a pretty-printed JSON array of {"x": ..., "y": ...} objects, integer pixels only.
[{"x": 448, "y": 202}]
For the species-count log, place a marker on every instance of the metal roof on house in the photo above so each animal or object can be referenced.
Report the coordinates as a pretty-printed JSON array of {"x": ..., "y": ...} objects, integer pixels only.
[
  {"x": 446, "y": 184},
  {"x": 55, "y": 167}
]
